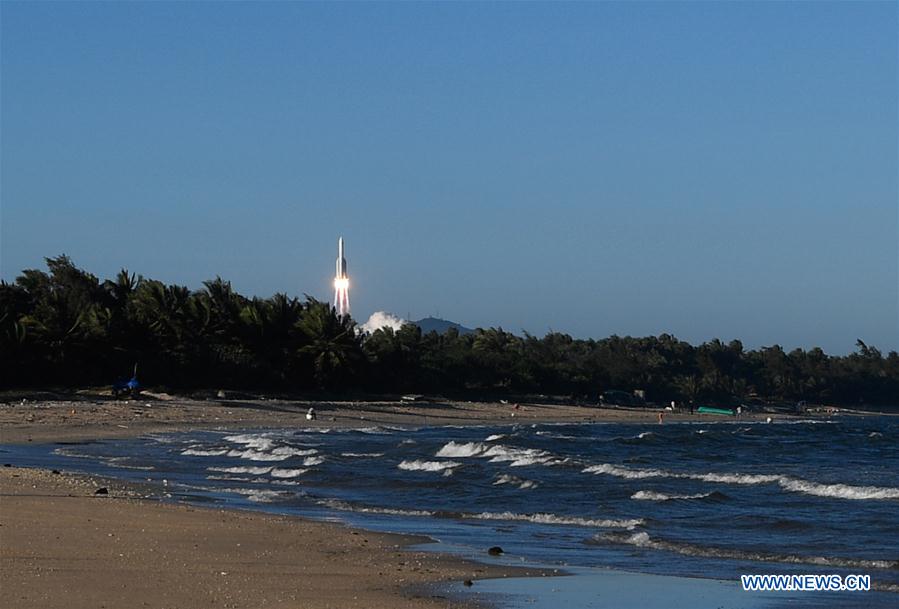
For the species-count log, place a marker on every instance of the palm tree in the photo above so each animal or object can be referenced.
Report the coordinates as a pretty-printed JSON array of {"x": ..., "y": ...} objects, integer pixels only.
[{"x": 333, "y": 346}]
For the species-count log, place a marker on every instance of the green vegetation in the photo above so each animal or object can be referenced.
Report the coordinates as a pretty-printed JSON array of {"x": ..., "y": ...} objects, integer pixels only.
[{"x": 65, "y": 327}]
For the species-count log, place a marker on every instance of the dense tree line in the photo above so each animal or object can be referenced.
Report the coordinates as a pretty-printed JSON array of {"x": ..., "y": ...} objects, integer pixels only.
[{"x": 65, "y": 327}]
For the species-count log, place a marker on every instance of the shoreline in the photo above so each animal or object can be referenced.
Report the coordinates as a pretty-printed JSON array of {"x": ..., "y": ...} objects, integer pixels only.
[
  {"x": 52, "y": 542},
  {"x": 65, "y": 546},
  {"x": 97, "y": 418}
]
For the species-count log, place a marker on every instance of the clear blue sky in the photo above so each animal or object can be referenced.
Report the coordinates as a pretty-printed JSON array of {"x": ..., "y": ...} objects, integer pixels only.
[{"x": 708, "y": 169}]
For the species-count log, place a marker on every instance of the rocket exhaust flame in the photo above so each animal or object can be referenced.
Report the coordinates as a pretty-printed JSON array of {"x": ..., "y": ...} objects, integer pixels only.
[{"x": 341, "y": 283}]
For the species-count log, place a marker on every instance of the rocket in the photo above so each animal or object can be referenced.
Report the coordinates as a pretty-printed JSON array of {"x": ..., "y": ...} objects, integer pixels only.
[
  {"x": 341, "y": 261},
  {"x": 341, "y": 283}
]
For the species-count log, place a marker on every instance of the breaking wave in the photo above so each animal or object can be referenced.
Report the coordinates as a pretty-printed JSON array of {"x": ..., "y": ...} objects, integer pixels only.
[
  {"x": 257, "y": 441},
  {"x": 796, "y": 485},
  {"x": 515, "y": 481},
  {"x": 654, "y": 496},
  {"x": 498, "y": 453},
  {"x": 554, "y": 519},
  {"x": 343, "y": 506},
  {"x": 255, "y": 471},
  {"x": 257, "y": 495},
  {"x": 280, "y": 453},
  {"x": 428, "y": 466},
  {"x": 287, "y": 473},
  {"x": 643, "y": 540},
  {"x": 199, "y": 452},
  {"x": 839, "y": 491}
]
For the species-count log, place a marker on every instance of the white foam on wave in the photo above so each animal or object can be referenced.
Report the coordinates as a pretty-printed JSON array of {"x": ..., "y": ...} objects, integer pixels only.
[
  {"x": 66, "y": 452},
  {"x": 287, "y": 473},
  {"x": 654, "y": 496},
  {"x": 343, "y": 506},
  {"x": 256, "y": 471},
  {"x": 258, "y": 495},
  {"x": 542, "y": 518},
  {"x": 380, "y": 430},
  {"x": 428, "y": 466},
  {"x": 797, "y": 485},
  {"x": 625, "y": 472},
  {"x": 494, "y": 437},
  {"x": 545, "y": 518},
  {"x": 498, "y": 453},
  {"x": 362, "y": 455},
  {"x": 255, "y": 455},
  {"x": 313, "y": 461},
  {"x": 279, "y": 453},
  {"x": 515, "y": 481},
  {"x": 735, "y": 478},
  {"x": 466, "y": 449},
  {"x": 257, "y": 441},
  {"x": 839, "y": 491},
  {"x": 643, "y": 540},
  {"x": 125, "y": 463},
  {"x": 199, "y": 452}
]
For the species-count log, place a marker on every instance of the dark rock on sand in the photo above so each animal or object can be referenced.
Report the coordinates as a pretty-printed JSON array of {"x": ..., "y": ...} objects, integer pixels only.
[
  {"x": 495, "y": 551},
  {"x": 101, "y": 491}
]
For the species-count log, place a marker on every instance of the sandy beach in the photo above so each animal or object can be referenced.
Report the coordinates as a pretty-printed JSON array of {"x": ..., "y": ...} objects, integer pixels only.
[{"x": 61, "y": 545}]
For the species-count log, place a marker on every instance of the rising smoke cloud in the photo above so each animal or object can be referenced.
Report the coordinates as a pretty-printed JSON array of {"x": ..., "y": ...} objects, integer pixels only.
[{"x": 382, "y": 319}]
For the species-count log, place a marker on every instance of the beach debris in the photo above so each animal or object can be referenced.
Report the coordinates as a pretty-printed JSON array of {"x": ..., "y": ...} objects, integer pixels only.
[
  {"x": 495, "y": 551},
  {"x": 468, "y": 583},
  {"x": 54, "y": 471},
  {"x": 101, "y": 491}
]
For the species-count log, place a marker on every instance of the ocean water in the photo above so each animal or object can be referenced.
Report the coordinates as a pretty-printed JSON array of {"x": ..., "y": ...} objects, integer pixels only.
[{"x": 706, "y": 501}]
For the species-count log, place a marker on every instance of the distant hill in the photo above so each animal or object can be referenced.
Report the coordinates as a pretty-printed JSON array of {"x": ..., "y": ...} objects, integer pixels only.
[{"x": 433, "y": 324}]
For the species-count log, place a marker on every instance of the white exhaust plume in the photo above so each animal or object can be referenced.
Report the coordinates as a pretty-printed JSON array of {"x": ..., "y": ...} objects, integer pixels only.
[{"x": 382, "y": 319}]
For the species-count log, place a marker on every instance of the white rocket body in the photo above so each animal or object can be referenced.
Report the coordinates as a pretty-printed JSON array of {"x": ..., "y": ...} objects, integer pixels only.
[
  {"x": 341, "y": 283},
  {"x": 341, "y": 261}
]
